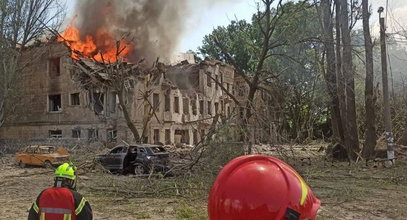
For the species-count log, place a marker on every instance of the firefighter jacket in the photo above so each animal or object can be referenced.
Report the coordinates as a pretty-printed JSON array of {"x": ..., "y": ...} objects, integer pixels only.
[{"x": 60, "y": 203}]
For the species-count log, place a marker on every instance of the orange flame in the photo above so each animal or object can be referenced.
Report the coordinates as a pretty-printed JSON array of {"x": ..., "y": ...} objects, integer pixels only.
[{"x": 101, "y": 47}]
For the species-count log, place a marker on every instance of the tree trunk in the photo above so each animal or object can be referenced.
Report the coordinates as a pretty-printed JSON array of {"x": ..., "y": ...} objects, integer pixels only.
[
  {"x": 128, "y": 119},
  {"x": 339, "y": 74},
  {"x": 370, "y": 139},
  {"x": 330, "y": 75},
  {"x": 351, "y": 137}
]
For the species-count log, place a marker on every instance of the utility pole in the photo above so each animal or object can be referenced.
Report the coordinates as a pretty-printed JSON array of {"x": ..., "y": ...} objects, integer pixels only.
[{"x": 386, "y": 97}]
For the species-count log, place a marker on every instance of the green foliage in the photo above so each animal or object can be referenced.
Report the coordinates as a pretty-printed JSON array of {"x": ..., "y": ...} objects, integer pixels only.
[{"x": 295, "y": 56}]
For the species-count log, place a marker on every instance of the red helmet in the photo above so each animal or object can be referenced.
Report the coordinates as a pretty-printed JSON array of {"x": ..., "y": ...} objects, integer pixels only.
[{"x": 260, "y": 187}]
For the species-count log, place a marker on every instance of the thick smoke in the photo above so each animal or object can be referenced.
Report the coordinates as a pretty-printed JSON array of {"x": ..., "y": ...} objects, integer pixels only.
[{"x": 152, "y": 27}]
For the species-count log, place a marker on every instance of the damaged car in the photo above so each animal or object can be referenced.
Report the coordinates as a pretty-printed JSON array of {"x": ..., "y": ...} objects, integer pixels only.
[
  {"x": 47, "y": 156},
  {"x": 135, "y": 159}
]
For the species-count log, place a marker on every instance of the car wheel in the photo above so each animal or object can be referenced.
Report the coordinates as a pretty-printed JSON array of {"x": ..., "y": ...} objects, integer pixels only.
[
  {"x": 21, "y": 164},
  {"x": 138, "y": 169},
  {"x": 48, "y": 164}
]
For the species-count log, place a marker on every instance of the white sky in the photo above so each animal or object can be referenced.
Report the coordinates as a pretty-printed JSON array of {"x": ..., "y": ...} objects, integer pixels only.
[{"x": 205, "y": 19}]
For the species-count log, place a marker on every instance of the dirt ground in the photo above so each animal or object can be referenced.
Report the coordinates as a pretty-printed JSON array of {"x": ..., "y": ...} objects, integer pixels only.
[{"x": 346, "y": 192}]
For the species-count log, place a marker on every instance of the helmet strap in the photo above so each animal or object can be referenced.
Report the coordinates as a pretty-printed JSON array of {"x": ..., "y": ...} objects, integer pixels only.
[{"x": 291, "y": 214}]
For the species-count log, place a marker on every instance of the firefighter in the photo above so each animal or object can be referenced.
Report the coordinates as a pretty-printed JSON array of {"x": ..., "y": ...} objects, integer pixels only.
[
  {"x": 61, "y": 202},
  {"x": 260, "y": 187}
]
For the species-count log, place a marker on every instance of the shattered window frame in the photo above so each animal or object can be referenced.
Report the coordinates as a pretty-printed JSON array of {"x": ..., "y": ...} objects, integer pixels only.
[
  {"x": 57, "y": 134},
  {"x": 55, "y": 103},
  {"x": 76, "y": 133},
  {"x": 111, "y": 136},
  {"x": 167, "y": 103},
  {"x": 201, "y": 107},
  {"x": 156, "y": 136},
  {"x": 176, "y": 104},
  {"x": 185, "y": 106},
  {"x": 209, "y": 108},
  {"x": 93, "y": 134},
  {"x": 75, "y": 99},
  {"x": 194, "y": 110},
  {"x": 156, "y": 102},
  {"x": 167, "y": 136}
]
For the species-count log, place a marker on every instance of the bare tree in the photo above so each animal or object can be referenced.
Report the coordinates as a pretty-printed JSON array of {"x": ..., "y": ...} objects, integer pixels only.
[
  {"x": 324, "y": 10},
  {"x": 22, "y": 22},
  {"x": 119, "y": 77},
  {"x": 370, "y": 139},
  {"x": 351, "y": 134}
]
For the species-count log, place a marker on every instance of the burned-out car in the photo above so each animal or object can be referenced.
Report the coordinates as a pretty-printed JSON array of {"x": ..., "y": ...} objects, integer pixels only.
[{"x": 135, "y": 159}]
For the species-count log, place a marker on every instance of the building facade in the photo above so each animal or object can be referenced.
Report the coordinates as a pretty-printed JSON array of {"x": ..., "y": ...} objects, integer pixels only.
[{"x": 53, "y": 106}]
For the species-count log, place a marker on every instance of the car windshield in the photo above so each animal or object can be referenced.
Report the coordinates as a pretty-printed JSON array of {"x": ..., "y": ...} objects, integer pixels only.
[{"x": 46, "y": 150}]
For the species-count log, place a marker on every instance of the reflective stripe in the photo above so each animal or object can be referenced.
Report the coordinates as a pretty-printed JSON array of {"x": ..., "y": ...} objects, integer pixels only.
[
  {"x": 304, "y": 188},
  {"x": 55, "y": 210},
  {"x": 42, "y": 217},
  {"x": 67, "y": 217},
  {"x": 35, "y": 207},
  {"x": 80, "y": 206}
]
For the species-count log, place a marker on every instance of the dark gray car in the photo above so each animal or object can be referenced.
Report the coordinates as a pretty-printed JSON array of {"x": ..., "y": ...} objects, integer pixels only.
[{"x": 136, "y": 159}]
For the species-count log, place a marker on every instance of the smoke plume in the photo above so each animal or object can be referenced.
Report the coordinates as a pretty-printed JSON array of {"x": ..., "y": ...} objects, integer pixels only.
[{"x": 152, "y": 27}]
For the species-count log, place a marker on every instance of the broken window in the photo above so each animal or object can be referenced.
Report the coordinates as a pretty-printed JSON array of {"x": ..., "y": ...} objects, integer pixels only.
[
  {"x": 113, "y": 102},
  {"x": 98, "y": 101},
  {"x": 185, "y": 107},
  {"x": 54, "y": 103},
  {"x": 55, "y": 133},
  {"x": 216, "y": 82},
  {"x": 167, "y": 103},
  {"x": 156, "y": 102},
  {"x": 156, "y": 136},
  {"x": 202, "y": 134},
  {"x": 216, "y": 108},
  {"x": 208, "y": 79},
  {"x": 167, "y": 136},
  {"x": 209, "y": 108},
  {"x": 75, "y": 99},
  {"x": 76, "y": 133},
  {"x": 241, "y": 112},
  {"x": 201, "y": 107},
  {"x": 111, "y": 136},
  {"x": 195, "y": 135},
  {"x": 92, "y": 134},
  {"x": 176, "y": 104},
  {"x": 193, "y": 103},
  {"x": 183, "y": 135},
  {"x": 54, "y": 66}
]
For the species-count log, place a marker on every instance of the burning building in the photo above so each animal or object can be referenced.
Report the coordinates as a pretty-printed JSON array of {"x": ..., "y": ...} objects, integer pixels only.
[{"x": 54, "y": 103}]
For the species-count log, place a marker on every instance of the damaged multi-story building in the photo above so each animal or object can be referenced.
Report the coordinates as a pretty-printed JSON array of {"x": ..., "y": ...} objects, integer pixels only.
[{"x": 53, "y": 106}]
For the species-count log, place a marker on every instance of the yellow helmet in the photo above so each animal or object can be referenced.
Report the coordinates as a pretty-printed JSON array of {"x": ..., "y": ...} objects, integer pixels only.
[{"x": 66, "y": 170}]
